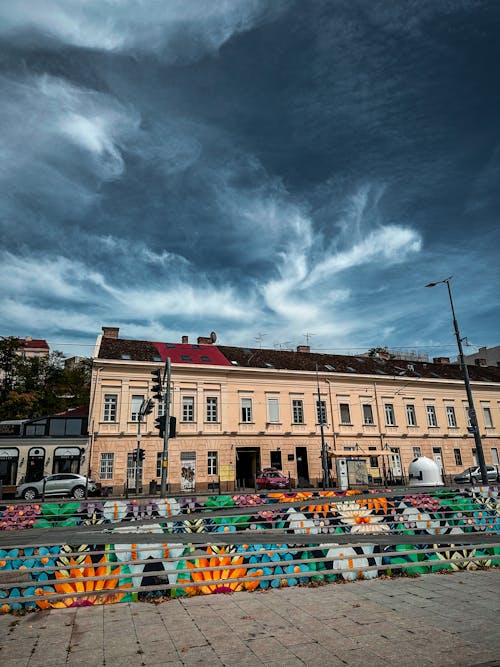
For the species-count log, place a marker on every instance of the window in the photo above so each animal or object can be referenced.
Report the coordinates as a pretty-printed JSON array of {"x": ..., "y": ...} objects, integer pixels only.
[
  {"x": 431, "y": 415},
  {"x": 161, "y": 409},
  {"x": 188, "y": 409},
  {"x": 458, "y": 457},
  {"x": 345, "y": 413},
  {"x": 467, "y": 416},
  {"x": 276, "y": 459},
  {"x": 159, "y": 458},
  {"x": 246, "y": 410},
  {"x": 320, "y": 412},
  {"x": 494, "y": 456},
  {"x": 474, "y": 457},
  {"x": 487, "y": 417},
  {"x": 135, "y": 406},
  {"x": 451, "y": 417},
  {"x": 131, "y": 468},
  {"x": 273, "y": 410},
  {"x": 373, "y": 461},
  {"x": 367, "y": 414},
  {"x": 107, "y": 463},
  {"x": 211, "y": 405},
  {"x": 212, "y": 463},
  {"x": 390, "y": 420},
  {"x": 297, "y": 411},
  {"x": 110, "y": 405},
  {"x": 411, "y": 417},
  {"x": 417, "y": 452}
]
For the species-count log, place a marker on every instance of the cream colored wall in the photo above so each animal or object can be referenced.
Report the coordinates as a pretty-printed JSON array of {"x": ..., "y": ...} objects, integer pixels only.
[{"x": 231, "y": 384}]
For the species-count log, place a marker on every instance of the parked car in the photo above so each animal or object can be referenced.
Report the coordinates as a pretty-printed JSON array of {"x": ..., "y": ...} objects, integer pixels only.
[
  {"x": 60, "y": 484},
  {"x": 473, "y": 474},
  {"x": 270, "y": 478}
]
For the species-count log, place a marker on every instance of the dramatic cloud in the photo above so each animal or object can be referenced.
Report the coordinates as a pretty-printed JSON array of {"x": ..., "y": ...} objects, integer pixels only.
[{"x": 255, "y": 167}]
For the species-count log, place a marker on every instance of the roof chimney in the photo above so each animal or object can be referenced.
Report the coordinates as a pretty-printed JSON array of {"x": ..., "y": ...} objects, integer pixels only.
[
  {"x": 303, "y": 348},
  {"x": 441, "y": 360},
  {"x": 110, "y": 332},
  {"x": 204, "y": 341},
  {"x": 28, "y": 339},
  {"x": 185, "y": 340}
]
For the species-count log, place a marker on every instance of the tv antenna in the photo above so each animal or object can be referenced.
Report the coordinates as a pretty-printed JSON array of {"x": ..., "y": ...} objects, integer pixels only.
[
  {"x": 259, "y": 338},
  {"x": 308, "y": 336}
]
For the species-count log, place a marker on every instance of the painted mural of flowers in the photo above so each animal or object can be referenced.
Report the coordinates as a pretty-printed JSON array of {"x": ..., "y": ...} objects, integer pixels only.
[
  {"x": 322, "y": 524},
  {"x": 26, "y": 559},
  {"x": 425, "y": 503},
  {"x": 218, "y": 502},
  {"x": 267, "y": 519},
  {"x": 19, "y": 517},
  {"x": 413, "y": 519},
  {"x": 114, "y": 510},
  {"x": 410, "y": 555},
  {"x": 459, "y": 559},
  {"x": 377, "y": 505},
  {"x": 481, "y": 520},
  {"x": 248, "y": 500},
  {"x": 362, "y": 520},
  {"x": 297, "y": 496},
  {"x": 349, "y": 561},
  {"x": 193, "y": 526},
  {"x": 54, "y": 515},
  {"x": 110, "y": 577},
  {"x": 299, "y": 523},
  {"x": 218, "y": 578}
]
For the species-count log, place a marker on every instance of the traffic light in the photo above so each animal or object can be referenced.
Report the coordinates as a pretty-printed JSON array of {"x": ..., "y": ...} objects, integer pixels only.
[
  {"x": 134, "y": 455},
  {"x": 142, "y": 454},
  {"x": 157, "y": 388},
  {"x": 160, "y": 424},
  {"x": 148, "y": 407},
  {"x": 172, "y": 427}
]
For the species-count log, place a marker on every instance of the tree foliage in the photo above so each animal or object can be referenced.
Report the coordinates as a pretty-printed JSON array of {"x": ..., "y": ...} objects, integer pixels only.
[{"x": 36, "y": 386}]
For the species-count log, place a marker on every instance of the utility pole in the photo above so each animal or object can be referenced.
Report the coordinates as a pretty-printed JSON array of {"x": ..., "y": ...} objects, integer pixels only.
[
  {"x": 166, "y": 412},
  {"x": 474, "y": 426},
  {"x": 324, "y": 457},
  {"x": 145, "y": 409}
]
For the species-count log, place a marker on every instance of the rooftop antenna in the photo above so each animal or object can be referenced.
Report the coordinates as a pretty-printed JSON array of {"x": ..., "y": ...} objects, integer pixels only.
[
  {"x": 259, "y": 338},
  {"x": 307, "y": 336}
]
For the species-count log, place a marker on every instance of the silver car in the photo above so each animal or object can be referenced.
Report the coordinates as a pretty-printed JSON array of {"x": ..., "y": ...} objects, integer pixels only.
[
  {"x": 60, "y": 484},
  {"x": 474, "y": 475}
]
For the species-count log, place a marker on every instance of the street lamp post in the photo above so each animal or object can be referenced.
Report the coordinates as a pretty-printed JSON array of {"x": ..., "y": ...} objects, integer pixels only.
[
  {"x": 465, "y": 374},
  {"x": 324, "y": 455}
]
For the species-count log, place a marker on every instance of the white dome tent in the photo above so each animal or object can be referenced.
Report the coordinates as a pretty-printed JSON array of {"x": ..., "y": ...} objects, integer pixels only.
[{"x": 424, "y": 472}]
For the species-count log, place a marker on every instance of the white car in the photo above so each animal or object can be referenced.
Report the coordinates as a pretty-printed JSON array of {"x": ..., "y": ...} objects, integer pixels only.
[{"x": 60, "y": 484}]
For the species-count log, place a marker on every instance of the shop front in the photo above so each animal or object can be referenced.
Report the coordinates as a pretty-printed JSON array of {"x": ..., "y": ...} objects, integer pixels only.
[{"x": 67, "y": 459}]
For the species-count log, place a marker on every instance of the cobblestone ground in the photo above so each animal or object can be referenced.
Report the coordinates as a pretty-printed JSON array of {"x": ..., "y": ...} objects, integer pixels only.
[{"x": 414, "y": 622}]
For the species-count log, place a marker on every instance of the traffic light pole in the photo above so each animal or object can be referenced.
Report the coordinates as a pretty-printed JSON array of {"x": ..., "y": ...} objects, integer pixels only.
[
  {"x": 166, "y": 412},
  {"x": 138, "y": 451}
]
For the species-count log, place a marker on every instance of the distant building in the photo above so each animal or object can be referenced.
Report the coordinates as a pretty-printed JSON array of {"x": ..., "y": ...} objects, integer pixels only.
[
  {"x": 485, "y": 356},
  {"x": 33, "y": 347}
]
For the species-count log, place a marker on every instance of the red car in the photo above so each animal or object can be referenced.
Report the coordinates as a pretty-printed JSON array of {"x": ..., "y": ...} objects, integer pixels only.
[{"x": 270, "y": 478}]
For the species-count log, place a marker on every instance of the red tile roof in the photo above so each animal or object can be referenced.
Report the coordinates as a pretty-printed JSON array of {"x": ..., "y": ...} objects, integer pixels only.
[
  {"x": 34, "y": 343},
  {"x": 143, "y": 350}
]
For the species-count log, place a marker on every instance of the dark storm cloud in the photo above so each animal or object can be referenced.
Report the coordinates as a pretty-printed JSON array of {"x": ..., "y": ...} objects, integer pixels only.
[{"x": 249, "y": 166}]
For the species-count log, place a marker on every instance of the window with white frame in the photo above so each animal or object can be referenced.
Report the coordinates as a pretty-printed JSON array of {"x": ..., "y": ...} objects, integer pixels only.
[
  {"x": 411, "y": 417},
  {"x": 273, "y": 410},
  {"x": 131, "y": 464},
  {"x": 458, "y": 457},
  {"x": 297, "y": 411},
  {"x": 212, "y": 463},
  {"x": 321, "y": 412},
  {"x": 135, "y": 406},
  {"x": 390, "y": 419},
  {"x": 367, "y": 414},
  {"x": 487, "y": 417},
  {"x": 110, "y": 407},
  {"x": 494, "y": 456},
  {"x": 431, "y": 415},
  {"x": 246, "y": 410},
  {"x": 188, "y": 408},
  {"x": 106, "y": 465},
  {"x": 345, "y": 413},
  {"x": 417, "y": 452},
  {"x": 467, "y": 416},
  {"x": 211, "y": 409},
  {"x": 450, "y": 416}
]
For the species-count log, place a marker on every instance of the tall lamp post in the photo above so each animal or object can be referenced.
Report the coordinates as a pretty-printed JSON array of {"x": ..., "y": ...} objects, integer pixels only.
[
  {"x": 465, "y": 373},
  {"x": 324, "y": 456}
]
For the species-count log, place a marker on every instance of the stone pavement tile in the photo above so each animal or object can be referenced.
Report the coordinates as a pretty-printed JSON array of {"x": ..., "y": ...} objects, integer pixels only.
[
  {"x": 121, "y": 646},
  {"x": 88, "y": 658},
  {"x": 268, "y": 648},
  {"x": 13, "y": 662},
  {"x": 200, "y": 656},
  {"x": 315, "y": 654},
  {"x": 18, "y": 646},
  {"x": 227, "y": 644},
  {"x": 243, "y": 659},
  {"x": 158, "y": 652}
]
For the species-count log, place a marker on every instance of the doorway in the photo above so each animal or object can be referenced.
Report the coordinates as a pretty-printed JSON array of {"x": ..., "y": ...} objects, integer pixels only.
[
  {"x": 437, "y": 455},
  {"x": 247, "y": 466},
  {"x": 35, "y": 465},
  {"x": 302, "y": 466}
]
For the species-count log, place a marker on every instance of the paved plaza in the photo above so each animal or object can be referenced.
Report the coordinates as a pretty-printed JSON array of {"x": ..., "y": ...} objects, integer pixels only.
[{"x": 431, "y": 620}]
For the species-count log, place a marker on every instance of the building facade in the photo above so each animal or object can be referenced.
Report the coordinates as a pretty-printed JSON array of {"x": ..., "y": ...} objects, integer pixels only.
[
  {"x": 33, "y": 448},
  {"x": 240, "y": 410}
]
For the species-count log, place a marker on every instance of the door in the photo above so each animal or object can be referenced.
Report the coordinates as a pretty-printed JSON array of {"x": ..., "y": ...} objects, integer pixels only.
[
  {"x": 247, "y": 466},
  {"x": 302, "y": 466},
  {"x": 438, "y": 459},
  {"x": 35, "y": 465},
  {"x": 396, "y": 468}
]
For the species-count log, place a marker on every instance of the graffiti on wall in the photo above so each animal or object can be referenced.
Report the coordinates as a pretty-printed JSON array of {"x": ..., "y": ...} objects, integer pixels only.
[{"x": 69, "y": 575}]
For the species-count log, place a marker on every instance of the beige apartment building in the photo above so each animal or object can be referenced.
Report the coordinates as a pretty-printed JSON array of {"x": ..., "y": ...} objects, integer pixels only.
[{"x": 240, "y": 410}]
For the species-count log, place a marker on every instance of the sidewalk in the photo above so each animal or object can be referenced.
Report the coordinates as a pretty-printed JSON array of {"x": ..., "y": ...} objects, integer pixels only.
[{"x": 433, "y": 620}]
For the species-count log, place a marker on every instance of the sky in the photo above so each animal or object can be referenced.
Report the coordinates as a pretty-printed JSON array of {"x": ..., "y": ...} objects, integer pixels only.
[{"x": 277, "y": 171}]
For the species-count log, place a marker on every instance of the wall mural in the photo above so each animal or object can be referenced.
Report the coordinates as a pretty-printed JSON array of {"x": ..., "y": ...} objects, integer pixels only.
[{"x": 37, "y": 577}]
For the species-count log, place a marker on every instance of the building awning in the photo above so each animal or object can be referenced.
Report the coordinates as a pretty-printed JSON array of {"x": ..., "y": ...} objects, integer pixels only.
[
  {"x": 11, "y": 453},
  {"x": 358, "y": 453},
  {"x": 67, "y": 451}
]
